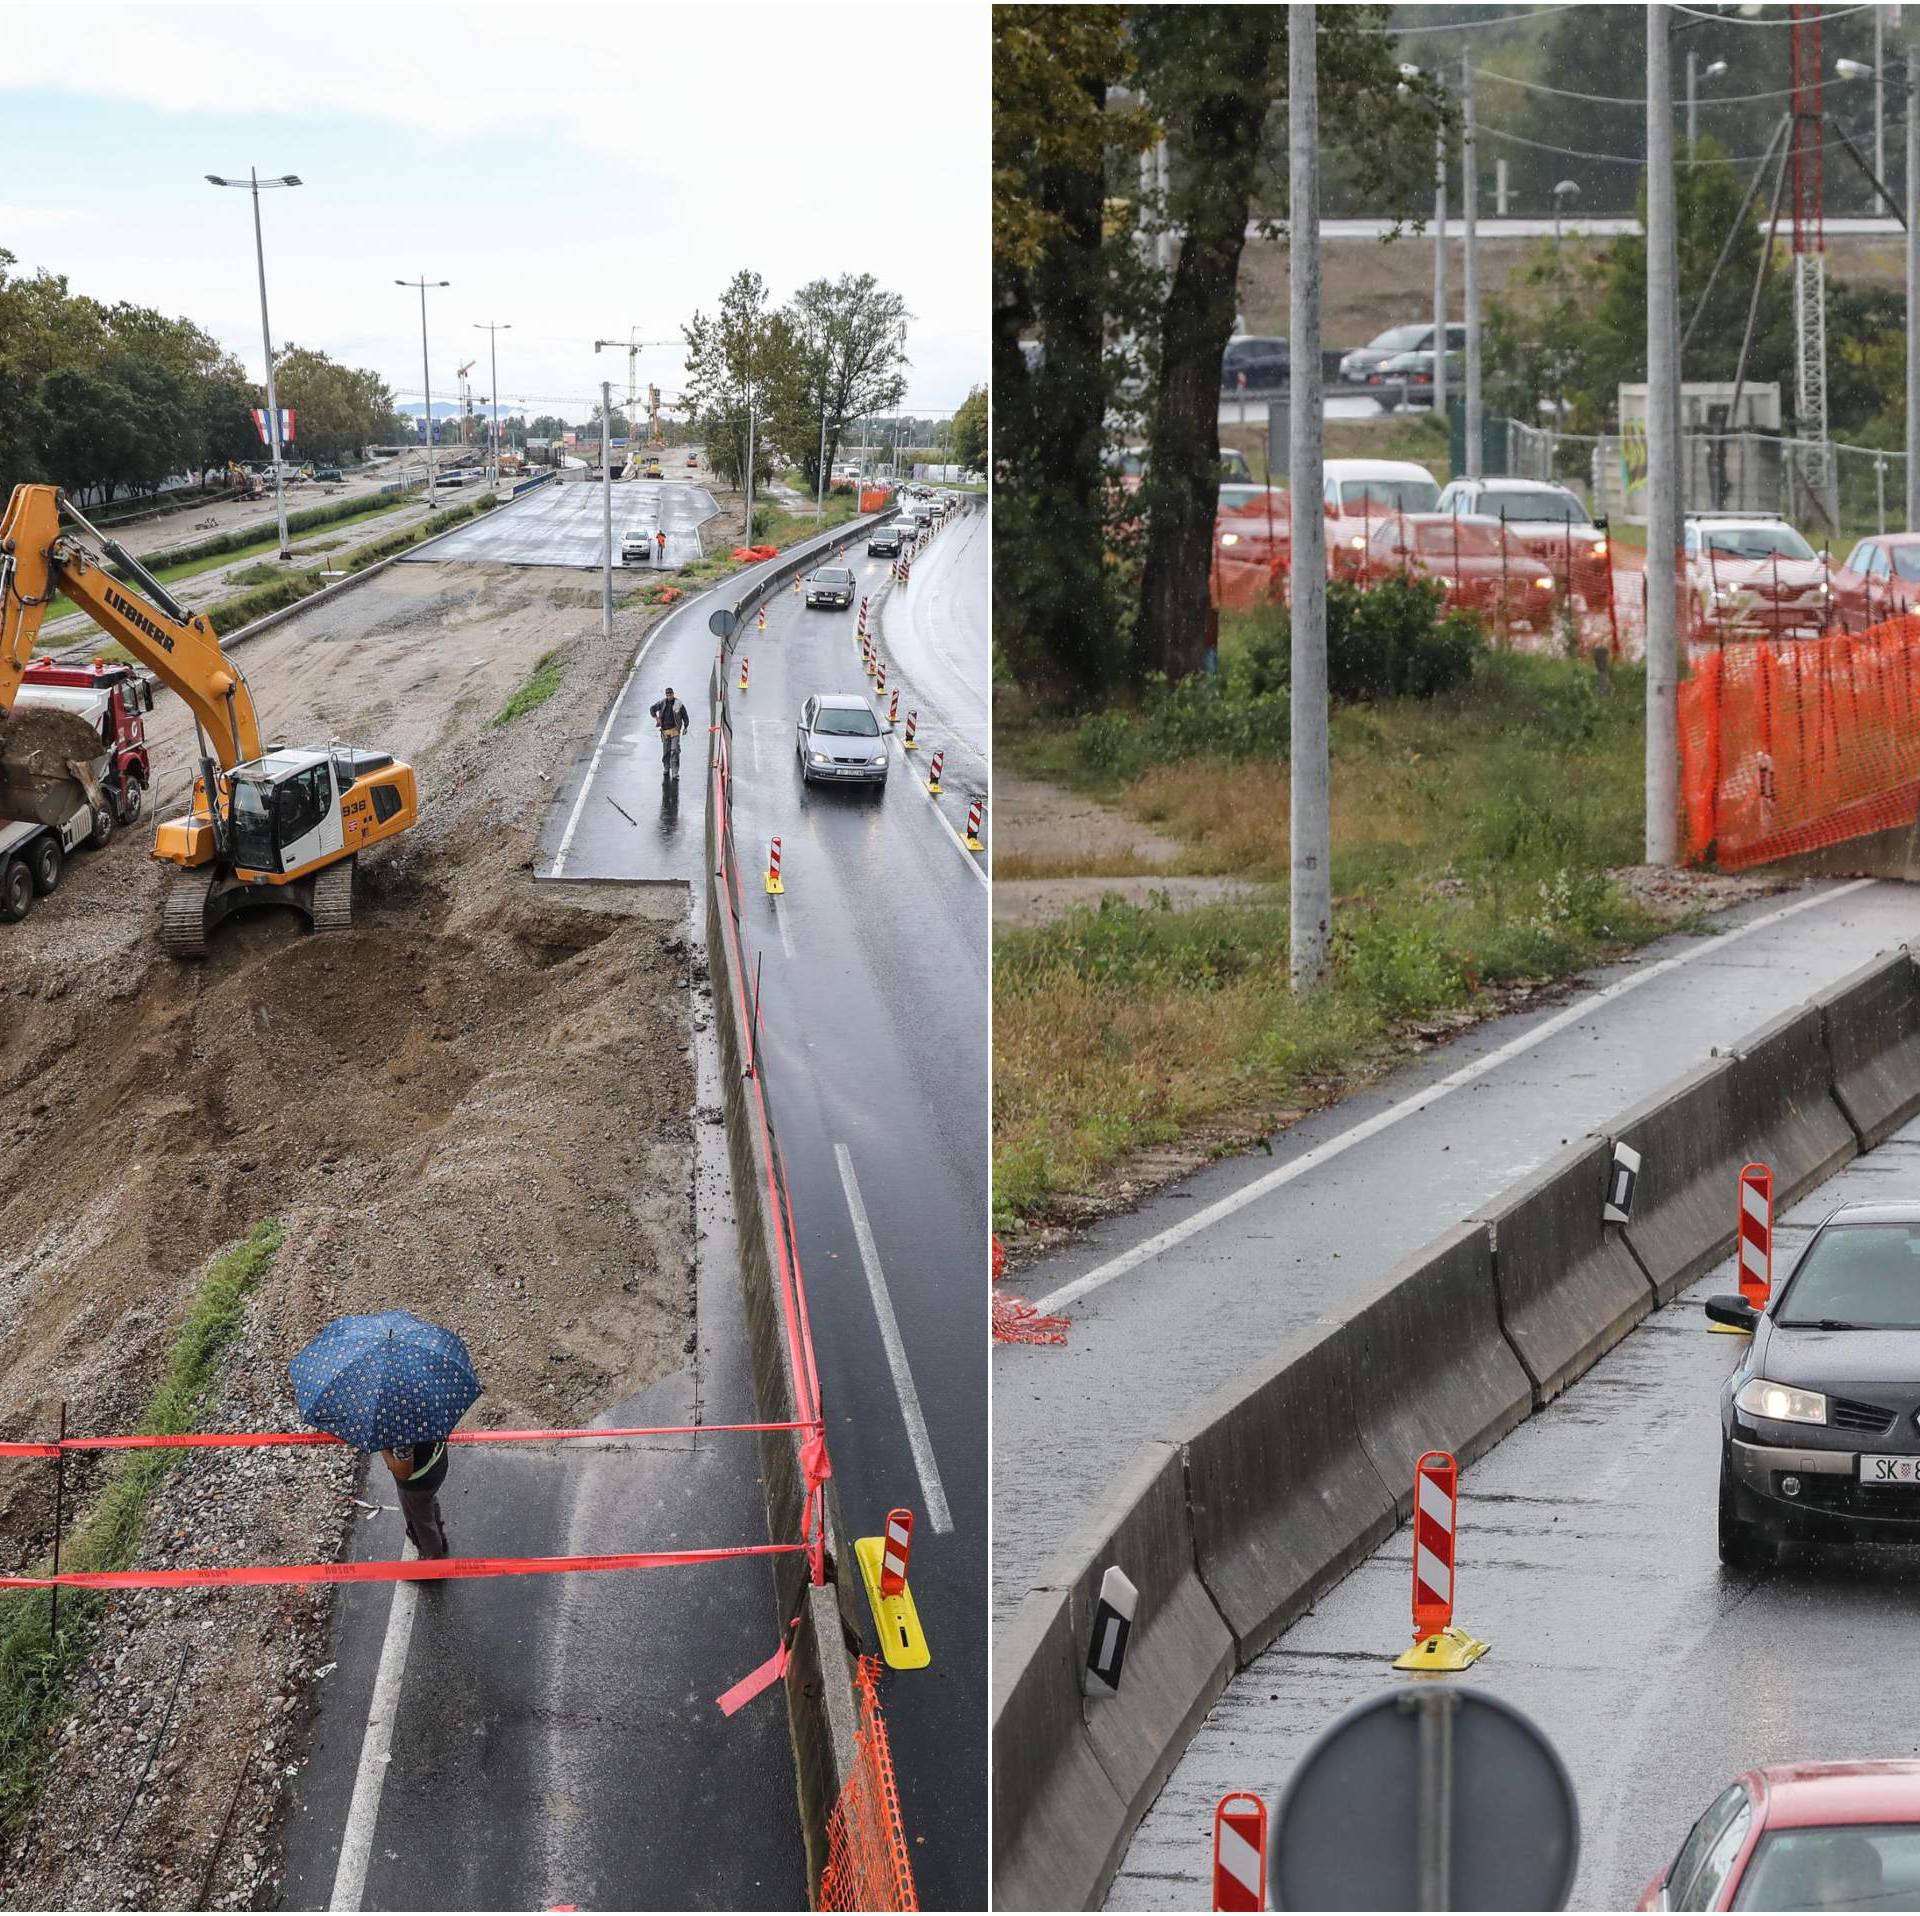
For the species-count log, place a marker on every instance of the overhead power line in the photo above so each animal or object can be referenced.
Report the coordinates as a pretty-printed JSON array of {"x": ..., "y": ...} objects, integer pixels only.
[
  {"x": 1640, "y": 159},
  {"x": 1624, "y": 99},
  {"x": 1466, "y": 26},
  {"x": 1753, "y": 20}
]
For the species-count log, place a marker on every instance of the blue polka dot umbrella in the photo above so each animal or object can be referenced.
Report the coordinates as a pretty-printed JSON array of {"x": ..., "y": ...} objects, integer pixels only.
[{"x": 389, "y": 1379}]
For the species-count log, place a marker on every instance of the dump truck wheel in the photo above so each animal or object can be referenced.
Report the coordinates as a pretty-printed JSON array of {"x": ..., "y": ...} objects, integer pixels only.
[
  {"x": 16, "y": 891},
  {"x": 44, "y": 862},
  {"x": 102, "y": 827}
]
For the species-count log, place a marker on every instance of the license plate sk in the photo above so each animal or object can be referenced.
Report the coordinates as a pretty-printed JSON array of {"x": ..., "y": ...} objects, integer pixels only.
[{"x": 1889, "y": 1470}]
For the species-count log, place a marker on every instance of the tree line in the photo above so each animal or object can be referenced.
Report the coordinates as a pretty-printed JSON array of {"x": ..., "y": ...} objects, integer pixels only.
[{"x": 108, "y": 399}]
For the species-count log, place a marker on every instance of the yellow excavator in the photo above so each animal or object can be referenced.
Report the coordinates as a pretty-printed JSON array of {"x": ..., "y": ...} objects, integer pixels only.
[{"x": 281, "y": 825}]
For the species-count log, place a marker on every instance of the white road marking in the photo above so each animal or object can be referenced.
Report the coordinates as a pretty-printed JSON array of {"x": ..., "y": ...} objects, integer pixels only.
[
  {"x": 918, "y": 1441},
  {"x": 356, "y": 1842},
  {"x": 593, "y": 764},
  {"x": 1225, "y": 1207},
  {"x": 786, "y": 937}
]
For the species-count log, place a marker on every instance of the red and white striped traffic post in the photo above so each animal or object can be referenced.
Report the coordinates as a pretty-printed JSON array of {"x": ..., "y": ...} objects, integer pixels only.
[
  {"x": 774, "y": 886},
  {"x": 1437, "y": 1643},
  {"x": 893, "y": 709},
  {"x": 909, "y": 744},
  {"x": 1240, "y": 1852},
  {"x": 860, "y": 631},
  {"x": 897, "y": 1548},
  {"x": 743, "y": 671},
  {"x": 762, "y": 625},
  {"x": 880, "y": 679},
  {"x": 933, "y": 782},
  {"x": 1756, "y": 1234},
  {"x": 974, "y": 811}
]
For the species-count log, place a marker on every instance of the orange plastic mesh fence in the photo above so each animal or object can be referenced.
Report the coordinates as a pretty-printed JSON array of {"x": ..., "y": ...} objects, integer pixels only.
[
  {"x": 868, "y": 1865},
  {"x": 1788, "y": 747}
]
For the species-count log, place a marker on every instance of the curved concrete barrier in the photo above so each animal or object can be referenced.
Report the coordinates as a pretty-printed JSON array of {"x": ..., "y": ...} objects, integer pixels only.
[
  {"x": 1872, "y": 1023},
  {"x": 1569, "y": 1287},
  {"x": 1683, "y": 1210}
]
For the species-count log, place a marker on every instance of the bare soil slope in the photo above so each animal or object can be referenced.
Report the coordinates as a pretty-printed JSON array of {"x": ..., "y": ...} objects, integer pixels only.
[{"x": 475, "y": 1105}]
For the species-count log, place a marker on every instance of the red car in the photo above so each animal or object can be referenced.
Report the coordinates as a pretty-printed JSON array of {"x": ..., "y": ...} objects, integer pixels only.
[
  {"x": 1252, "y": 547},
  {"x": 1880, "y": 580},
  {"x": 1747, "y": 576},
  {"x": 1802, "y": 1836},
  {"x": 1481, "y": 567}
]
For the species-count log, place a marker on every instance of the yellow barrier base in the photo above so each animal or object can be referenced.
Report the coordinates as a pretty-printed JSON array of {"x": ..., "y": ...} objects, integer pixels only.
[
  {"x": 1448, "y": 1649},
  {"x": 973, "y": 844},
  {"x": 774, "y": 887},
  {"x": 902, "y": 1641}
]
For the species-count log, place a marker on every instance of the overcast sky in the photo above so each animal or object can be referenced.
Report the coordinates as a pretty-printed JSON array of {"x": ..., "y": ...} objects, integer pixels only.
[{"x": 576, "y": 171}]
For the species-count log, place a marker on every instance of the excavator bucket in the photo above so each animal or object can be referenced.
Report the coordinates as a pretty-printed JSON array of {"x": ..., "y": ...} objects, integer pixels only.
[{"x": 51, "y": 763}]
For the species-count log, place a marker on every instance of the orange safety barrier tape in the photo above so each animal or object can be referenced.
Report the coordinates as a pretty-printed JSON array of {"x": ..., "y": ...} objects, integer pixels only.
[
  {"x": 419, "y": 1570},
  {"x": 243, "y": 1439}
]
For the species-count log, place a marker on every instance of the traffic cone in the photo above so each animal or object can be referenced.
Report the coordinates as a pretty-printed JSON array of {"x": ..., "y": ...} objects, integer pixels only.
[
  {"x": 973, "y": 824},
  {"x": 933, "y": 783},
  {"x": 774, "y": 886},
  {"x": 743, "y": 671},
  {"x": 907, "y": 744}
]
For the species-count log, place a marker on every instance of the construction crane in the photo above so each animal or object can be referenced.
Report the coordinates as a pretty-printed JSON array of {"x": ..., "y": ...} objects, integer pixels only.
[
  {"x": 466, "y": 402},
  {"x": 274, "y": 824}
]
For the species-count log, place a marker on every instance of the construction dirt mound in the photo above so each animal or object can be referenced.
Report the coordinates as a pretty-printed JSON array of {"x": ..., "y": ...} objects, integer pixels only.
[{"x": 475, "y": 1105}]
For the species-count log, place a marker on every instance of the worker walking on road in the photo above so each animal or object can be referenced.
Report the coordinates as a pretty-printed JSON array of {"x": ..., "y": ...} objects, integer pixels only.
[
  {"x": 671, "y": 717},
  {"x": 418, "y": 1472},
  {"x": 660, "y": 547}
]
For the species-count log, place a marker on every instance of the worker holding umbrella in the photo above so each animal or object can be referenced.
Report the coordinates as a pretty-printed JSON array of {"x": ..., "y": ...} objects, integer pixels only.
[{"x": 396, "y": 1384}]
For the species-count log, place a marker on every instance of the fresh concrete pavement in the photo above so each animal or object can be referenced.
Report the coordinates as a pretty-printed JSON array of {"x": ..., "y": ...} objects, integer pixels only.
[
  {"x": 562, "y": 524},
  {"x": 1175, "y": 1299},
  {"x": 1587, "y": 1558}
]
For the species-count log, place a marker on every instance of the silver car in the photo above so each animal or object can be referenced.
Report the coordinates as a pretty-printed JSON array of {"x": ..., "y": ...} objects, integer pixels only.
[
  {"x": 839, "y": 741},
  {"x": 830, "y": 585}
]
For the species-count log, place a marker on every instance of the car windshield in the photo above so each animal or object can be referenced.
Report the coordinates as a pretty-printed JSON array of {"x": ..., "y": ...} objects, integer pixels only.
[
  {"x": 1400, "y": 339},
  {"x": 1461, "y": 536},
  {"x": 1255, "y": 499},
  {"x": 1388, "y": 495},
  {"x": 1855, "y": 1866},
  {"x": 1534, "y": 505},
  {"x": 1757, "y": 542},
  {"x": 833, "y": 575},
  {"x": 1863, "y": 1275},
  {"x": 839, "y": 721}
]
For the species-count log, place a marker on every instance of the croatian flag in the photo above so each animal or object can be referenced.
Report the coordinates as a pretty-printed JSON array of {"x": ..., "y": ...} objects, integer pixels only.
[{"x": 286, "y": 425}]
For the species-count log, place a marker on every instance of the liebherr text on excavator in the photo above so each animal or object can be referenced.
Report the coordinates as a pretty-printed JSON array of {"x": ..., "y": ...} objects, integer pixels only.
[{"x": 281, "y": 825}]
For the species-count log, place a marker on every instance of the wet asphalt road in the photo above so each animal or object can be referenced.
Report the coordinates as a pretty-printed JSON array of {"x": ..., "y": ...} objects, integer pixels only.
[
  {"x": 1191, "y": 1313},
  {"x": 874, "y": 996},
  {"x": 561, "y": 524},
  {"x": 1587, "y": 1558}
]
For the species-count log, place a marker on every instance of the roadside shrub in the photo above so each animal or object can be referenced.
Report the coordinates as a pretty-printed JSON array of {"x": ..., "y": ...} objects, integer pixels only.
[
  {"x": 1392, "y": 640},
  {"x": 1206, "y": 716},
  {"x": 1398, "y": 965}
]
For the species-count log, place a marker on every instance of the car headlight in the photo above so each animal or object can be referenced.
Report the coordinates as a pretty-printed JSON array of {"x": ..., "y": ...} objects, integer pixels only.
[
  {"x": 1229, "y": 538},
  {"x": 1783, "y": 1403},
  {"x": 819, "y": 758},
  {"x": 1824, "y": 589},
  {"x": 879, "y": 758},
  {"x": 1359, "y": 544},
  {"x": 1445, "y": 581},
  {"x": 1545, "y": 585},
  {"x": 1598, "y": 549}
]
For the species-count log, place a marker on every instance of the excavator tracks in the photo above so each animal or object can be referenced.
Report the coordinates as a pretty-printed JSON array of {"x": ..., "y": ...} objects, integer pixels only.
[
  {"x": 183, "y": 924},
  {"x": 333, "y": 897}
]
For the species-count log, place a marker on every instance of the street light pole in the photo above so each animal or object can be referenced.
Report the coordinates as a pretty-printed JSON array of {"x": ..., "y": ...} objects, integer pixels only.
[
  {"x": 820, "y": 496},
  {"x": 426, "y": 377},
  {"x": 1663, "y": 403},
  {"x": 1913, "y": 298},
  {"x": 1440, "y": 272},
  {"x": 1310, "y": 915},
  {"x": 1469, "y": 193},
  {"x": 606, "y": 509},
  {"x": 493, "y": 329},
  {"x": 253, "y": 183},
  {"x": 1879, "y": 93}
]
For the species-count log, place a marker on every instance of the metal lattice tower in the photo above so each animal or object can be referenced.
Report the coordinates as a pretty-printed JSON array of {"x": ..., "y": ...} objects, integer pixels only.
[{"x": 1810, "y": 260}]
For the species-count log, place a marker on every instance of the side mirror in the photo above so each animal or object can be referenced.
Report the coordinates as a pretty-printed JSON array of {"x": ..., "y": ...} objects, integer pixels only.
[{"x": 1734, "y": 1312}]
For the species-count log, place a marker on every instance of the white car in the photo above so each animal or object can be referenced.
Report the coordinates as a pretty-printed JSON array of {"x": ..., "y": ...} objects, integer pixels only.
[{"x": 637, "y": 545}]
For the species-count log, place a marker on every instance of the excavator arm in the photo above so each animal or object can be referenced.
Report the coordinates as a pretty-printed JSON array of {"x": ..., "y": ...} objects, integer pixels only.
[{"x": 39, "y": 560}]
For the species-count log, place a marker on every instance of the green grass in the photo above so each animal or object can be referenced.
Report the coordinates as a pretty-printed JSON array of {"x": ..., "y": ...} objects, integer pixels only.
[
  {"x": 1473, "y": 834},
  {"x": 773, "y": 525},
  {"x": 35, "y": 1671},
  {"x": 539, "y": 688}
]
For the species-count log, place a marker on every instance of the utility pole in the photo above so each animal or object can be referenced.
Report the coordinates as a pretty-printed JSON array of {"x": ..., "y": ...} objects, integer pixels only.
[
  {"x": 1469, "y": 213},
  {"x": 1879, "y": 93},
  {"x": 1913, "y": 296},
  {"x": 820, "y": 495},
  {"x": 426, "y": 378},
  {"x": 493, "y": 329},
  {"x": 1663, "y": 398},
  {"x": 606, "y": 509},
  {"x": 1310, "y": 826},
  {"x": 253, "y": 183},
  {"x": 1440, "y": 273}
]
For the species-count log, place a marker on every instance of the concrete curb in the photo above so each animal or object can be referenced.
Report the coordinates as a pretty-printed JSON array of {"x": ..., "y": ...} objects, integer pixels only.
[{"x": 1298, "y": 1469}]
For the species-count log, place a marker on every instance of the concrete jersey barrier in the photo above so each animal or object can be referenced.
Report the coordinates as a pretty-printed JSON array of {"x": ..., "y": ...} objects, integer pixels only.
[{"x": 1295, "y": 1471}]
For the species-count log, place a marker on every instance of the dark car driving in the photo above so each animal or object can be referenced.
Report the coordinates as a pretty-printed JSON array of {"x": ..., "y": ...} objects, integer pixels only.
[
  {"x": 830, "y": 585},
  {"x": 1820, "y": 1422},
  {"x": 1255, "y": 363},
  {"x": 884, "y": 541}
]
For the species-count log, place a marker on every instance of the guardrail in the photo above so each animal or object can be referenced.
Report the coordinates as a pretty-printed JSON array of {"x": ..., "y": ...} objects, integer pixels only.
[{"x": 1236, "y": 1520}]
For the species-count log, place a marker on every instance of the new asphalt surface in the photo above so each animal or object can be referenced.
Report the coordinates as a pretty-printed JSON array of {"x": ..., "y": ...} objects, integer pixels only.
[
  {"x": 1176, "y": 1298},
  {"x": 561, "y": 523},
  {"x": 1587, "y": 1557}
]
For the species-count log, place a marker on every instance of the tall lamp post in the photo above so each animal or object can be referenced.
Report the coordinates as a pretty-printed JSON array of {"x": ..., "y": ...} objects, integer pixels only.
[
  {"x": 1695, "y": 74},
  {"x": 426, "y": 378},
  {"x": 253, "y": 183},
  {"x": 606, "y": 496},
  {"x": 493, "y": 329}
]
